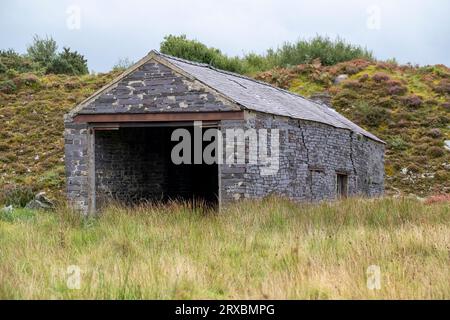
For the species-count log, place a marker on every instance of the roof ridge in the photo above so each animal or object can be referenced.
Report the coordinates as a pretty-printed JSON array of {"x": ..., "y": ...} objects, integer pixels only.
[{"x": 195, "y": 63}]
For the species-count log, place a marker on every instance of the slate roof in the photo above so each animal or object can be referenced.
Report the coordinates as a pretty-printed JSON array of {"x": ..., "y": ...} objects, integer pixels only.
[{"x": 263, "y": 97}]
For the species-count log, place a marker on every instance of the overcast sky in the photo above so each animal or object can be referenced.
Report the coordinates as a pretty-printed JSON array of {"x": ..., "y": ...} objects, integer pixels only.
[{"x": 416, "y": 31}]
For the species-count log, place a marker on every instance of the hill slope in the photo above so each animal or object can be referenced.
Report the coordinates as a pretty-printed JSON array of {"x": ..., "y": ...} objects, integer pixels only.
[
  {"x": 408, "y": 107},
  {"x": 31, "y": 131}
]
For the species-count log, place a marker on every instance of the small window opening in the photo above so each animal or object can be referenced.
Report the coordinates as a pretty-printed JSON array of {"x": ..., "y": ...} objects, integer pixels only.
[{"x": 341, "y": 185}]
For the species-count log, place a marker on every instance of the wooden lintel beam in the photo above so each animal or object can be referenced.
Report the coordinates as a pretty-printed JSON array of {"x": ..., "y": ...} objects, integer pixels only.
[{"x": 159, "y": 117}]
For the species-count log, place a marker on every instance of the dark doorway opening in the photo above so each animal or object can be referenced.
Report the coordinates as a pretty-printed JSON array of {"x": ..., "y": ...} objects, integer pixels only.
[
  {"x": 133, "y": 165},
  {"x": 341, "y": 185}
]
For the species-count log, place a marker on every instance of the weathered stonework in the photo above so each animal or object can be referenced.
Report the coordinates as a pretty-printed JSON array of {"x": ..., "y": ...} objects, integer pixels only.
[
  {"x": 156, "y": 88},
  {"x": 311, "y": 155},
  {"x": 128, "y": 165},
  {"x": 76, "y": 160}
]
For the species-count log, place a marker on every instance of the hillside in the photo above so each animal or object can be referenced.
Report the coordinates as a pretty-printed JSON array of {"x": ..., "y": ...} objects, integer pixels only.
[
  {"x": 408, "y": 107},
  {"x": 31, "y": 131}
]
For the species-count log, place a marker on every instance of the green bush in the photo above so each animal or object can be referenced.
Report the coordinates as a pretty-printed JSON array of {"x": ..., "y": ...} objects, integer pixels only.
[
  {"x": 68, "y": 62},
  {"x": 42, "y": 57},
  {"x": 42, "y": 51},
  {"x": 3, "y": 68},
  {"x": 397, "y": 143},
  {"x": 193, "y": 50},
  {"x": 17, "y": 196},
  {"x": 11, "y": 60},
  {"x": 328, "y": 51}
]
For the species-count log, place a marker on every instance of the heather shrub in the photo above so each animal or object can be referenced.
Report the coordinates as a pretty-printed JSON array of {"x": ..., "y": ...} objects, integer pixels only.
[
  {"x": 380, "y": 77},
  {"x": 351, "y": 84},
  {"x": 435, "y": 152},
  {"x": 7, "y": 86},
  {"x": 435, "y": 133},
  {"x": 371, "y": 116},
  {"x": 395, "y": 87},
  {"x": 412, "y": 101},
  {"x": 27, "y": 79},
  {"x": 443, "y": 87},
  {"x": 414, "y": 168}
]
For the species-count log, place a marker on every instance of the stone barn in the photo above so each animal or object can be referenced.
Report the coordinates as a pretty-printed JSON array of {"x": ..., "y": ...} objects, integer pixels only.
[{"x": 119, "y": 143}]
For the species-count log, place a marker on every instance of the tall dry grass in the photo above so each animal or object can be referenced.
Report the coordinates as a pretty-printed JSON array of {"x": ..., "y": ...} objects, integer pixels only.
[{"x": 272, "y": 249}]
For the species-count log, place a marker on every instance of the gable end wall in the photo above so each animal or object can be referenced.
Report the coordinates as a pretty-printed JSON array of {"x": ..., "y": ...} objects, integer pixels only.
[{"x": 154, "y": 87}]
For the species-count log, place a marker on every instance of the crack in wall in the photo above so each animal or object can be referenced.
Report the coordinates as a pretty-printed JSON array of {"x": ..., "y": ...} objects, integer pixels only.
[
  {"x": 353, "y": 161},
  {"x": 351, "y": 153},
  {"x": 304, "y": 144},
  {"x": 307, "y": 163}
]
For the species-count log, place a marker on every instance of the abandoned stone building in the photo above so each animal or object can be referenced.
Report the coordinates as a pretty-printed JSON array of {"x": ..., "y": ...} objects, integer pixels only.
[{"x": 118, "y": 142}]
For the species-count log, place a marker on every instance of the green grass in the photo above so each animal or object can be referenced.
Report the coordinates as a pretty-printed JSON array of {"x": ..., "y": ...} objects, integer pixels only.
[
  {"x": 257, "y": 249},
  {"x": 305, "y": 87}
]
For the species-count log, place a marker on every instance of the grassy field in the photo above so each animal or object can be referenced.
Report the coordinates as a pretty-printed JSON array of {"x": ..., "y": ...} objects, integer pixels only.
[{"x": 271, "y": 249}]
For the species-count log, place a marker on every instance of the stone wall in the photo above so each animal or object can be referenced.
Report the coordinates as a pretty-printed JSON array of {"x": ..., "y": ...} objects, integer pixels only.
[
  {"x": 311, "y": 155},
  {"x": 130, "y": 165},
  {"x": 154, "y": 87},
  {"x": 232, "y": 176},
  {"x": 76, "y": 160}
]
